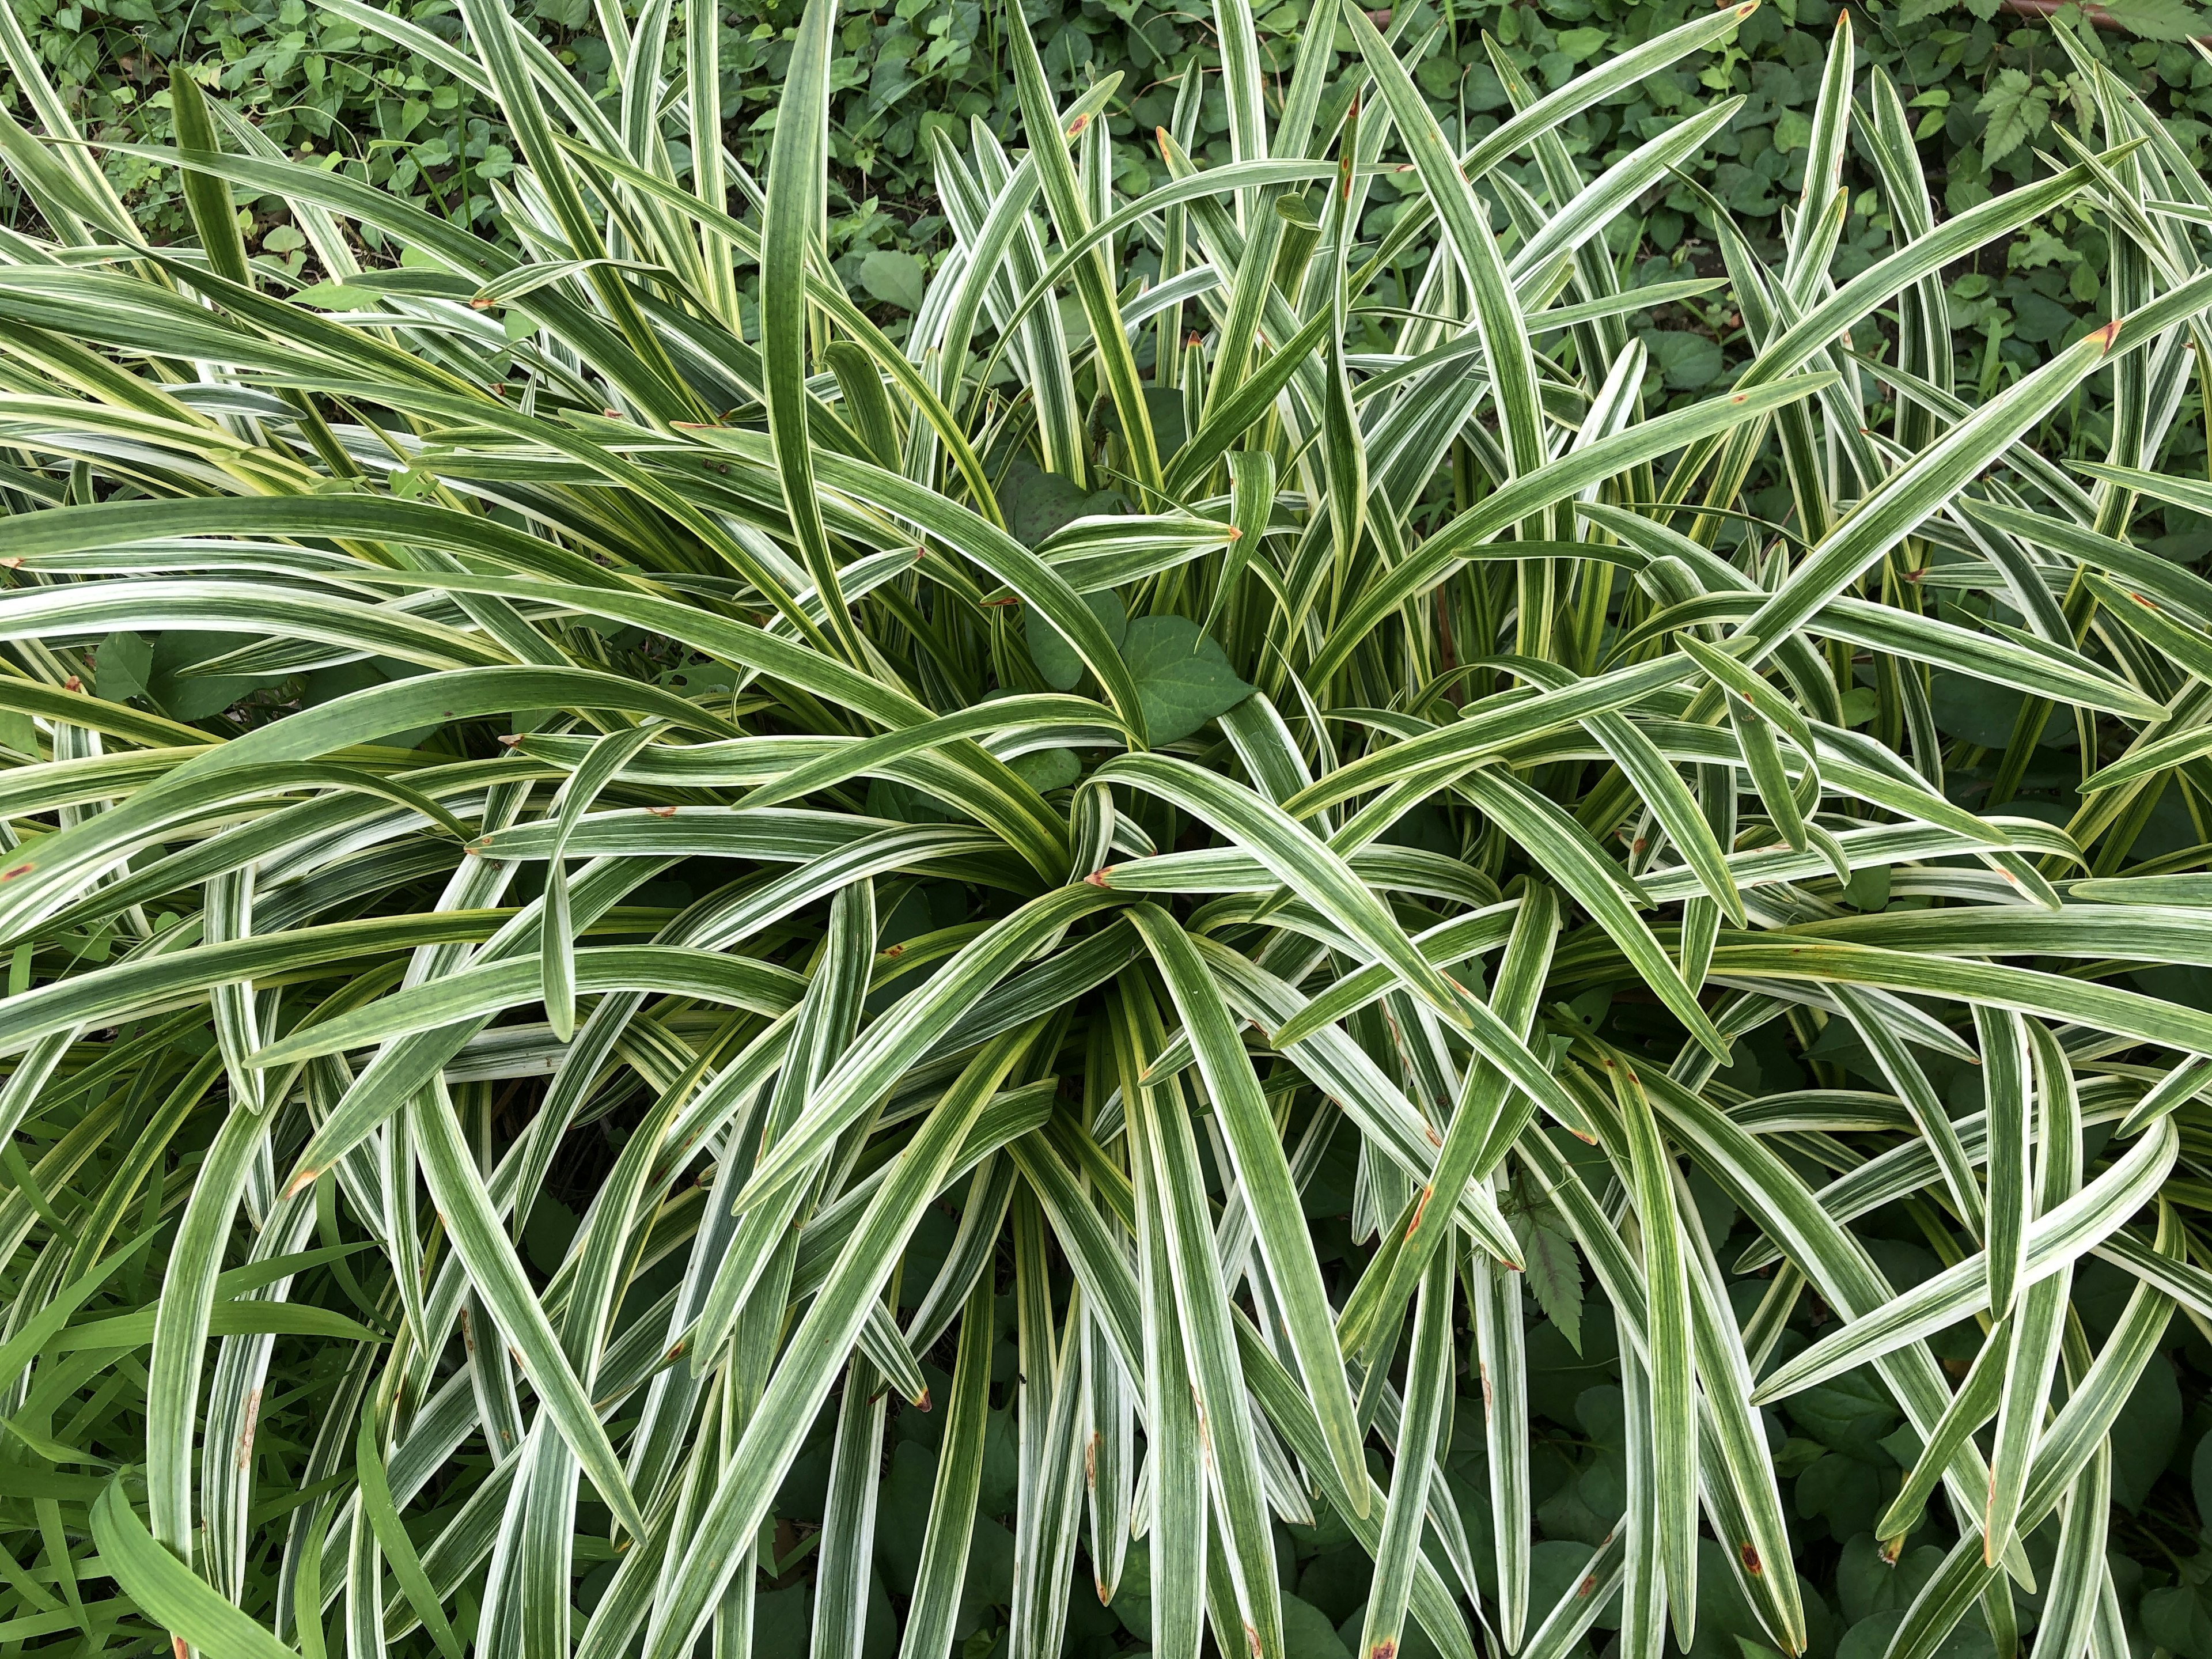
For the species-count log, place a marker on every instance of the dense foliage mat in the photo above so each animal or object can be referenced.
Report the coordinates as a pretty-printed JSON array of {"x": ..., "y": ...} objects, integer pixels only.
[
  {"x": 1987, "y": 85},
  {"x": 1383, "y": 1005}
]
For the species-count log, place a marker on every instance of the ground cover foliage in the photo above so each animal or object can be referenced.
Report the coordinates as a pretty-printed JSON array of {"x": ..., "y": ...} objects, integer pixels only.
[
  {"x": 1211, "y": 953},
  {"x": 1985, "y": 88}
]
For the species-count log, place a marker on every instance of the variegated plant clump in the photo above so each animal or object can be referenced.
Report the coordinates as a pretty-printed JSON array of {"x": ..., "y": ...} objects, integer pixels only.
[{"x": 616, "y": 863}]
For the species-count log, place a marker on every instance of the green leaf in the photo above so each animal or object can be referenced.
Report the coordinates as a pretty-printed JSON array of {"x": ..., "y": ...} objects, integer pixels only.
[
  {"x": 1555, "y": 1275},
  {"x": 1055, "y": 659},
  {"x": 2158, "y": 19},
  {"x": 391, "y": 1535},
  {"x": 1685, "y": 361},
  {"x": 894, "y": 276},
  {"x": 1038, "y": 505},
  {"x": 2017, "y": 109},
  {"x": 122, "y": 664},
  {"x": 1184, "y": 678},
  {"x": 168, "y": 1590}
]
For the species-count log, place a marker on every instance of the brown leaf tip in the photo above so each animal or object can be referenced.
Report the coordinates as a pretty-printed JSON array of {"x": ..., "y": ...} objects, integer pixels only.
[{"x": 1098, "y": 878}]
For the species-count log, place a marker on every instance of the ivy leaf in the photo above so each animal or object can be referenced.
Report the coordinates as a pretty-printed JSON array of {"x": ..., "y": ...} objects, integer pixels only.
[
  {"x": 893, "y": 277},
  {"x": 1054, "y": 657},
  {"x": 121, "y": 667},
  {"x": 1685, "y": 360},
  {"x": 1554, "y": 1272},
  {"x": 2178, "y": 1620},
  {"x": 2017, "y": 109},
  {"x": 1037, "y": 503},
  {"x": 1182, "y": 677},
  {"x": 1047, "y": 769}
]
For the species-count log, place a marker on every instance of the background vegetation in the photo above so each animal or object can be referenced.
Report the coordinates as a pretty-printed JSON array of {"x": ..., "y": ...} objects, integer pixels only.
[{"x": 1985, "y": 87}]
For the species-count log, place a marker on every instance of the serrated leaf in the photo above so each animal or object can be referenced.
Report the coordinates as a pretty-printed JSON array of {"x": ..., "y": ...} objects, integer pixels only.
[
  {"x": 2157, "y": 19},
  {"x": 2017, "y": 110},
  {"x": 1554, "y": 1272}
]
